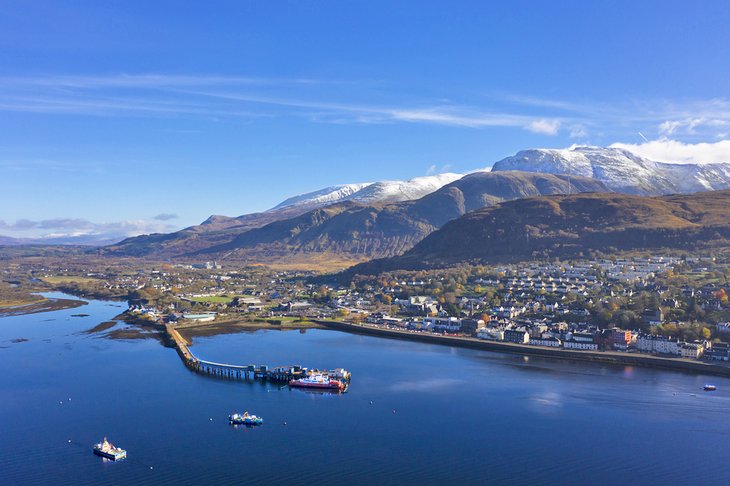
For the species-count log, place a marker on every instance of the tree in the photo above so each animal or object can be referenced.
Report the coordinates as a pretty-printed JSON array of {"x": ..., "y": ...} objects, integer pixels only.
[{"x": 705, "y": 333}]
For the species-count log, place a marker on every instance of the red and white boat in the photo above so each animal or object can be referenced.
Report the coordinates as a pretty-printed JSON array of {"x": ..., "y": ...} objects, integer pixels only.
[{"x": 318, "y": 381}]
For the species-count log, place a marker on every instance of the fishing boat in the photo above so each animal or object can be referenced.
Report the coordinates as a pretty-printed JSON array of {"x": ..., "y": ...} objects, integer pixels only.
[
  {"x": 245, "y": 419},
  {"x": 106, "y": 449},
  {"x": 318, "y": 381},
  {"x": 710, "y": 388}
]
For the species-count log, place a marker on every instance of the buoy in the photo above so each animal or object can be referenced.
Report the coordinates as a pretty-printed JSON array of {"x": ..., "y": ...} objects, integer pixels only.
[
  {"x": 151, "y": 467},
  {"x": 69, "y": 441},
  {"x": 284, "y": 423},
  {"x": 211, "y": 419},
  {"x": 371, "y": 402}
]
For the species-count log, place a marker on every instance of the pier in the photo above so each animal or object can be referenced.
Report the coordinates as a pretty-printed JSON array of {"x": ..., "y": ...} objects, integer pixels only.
[{"x": 277, "y": 374}]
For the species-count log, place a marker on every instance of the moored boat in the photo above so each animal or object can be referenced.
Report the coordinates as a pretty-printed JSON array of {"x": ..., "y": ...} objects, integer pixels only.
[
  {"x": 318, "y": 381},
  {"x": 710, "y": 387},
  {"x": 245, "y": 419},
  {"x": 106, "y": 449}
]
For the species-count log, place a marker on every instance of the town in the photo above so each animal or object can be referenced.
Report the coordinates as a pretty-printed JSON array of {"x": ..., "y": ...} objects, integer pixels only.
[{"x": 664, "y": 306}]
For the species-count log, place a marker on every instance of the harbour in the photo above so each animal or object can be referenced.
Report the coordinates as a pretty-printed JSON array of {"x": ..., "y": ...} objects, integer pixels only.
[
  {"x": 501, "y": 408},
  {"x": 276, "y": 374}
]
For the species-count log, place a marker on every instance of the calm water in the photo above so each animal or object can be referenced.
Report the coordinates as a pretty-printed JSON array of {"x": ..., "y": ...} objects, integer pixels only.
[{"x": 438, "y": 414}]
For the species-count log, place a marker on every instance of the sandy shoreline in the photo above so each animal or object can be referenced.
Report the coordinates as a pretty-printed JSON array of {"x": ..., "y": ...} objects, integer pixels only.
[{"x": 46, "y": 305}]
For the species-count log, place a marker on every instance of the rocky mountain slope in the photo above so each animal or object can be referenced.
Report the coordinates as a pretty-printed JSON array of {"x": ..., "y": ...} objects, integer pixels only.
[
  {"x": 620, "y": 170},
  {"x": 218, "y": 230},
  {"x": 571, "y": 226},
  {"x": 371, "y": 192},
  {"x": 384, "y": 230}
]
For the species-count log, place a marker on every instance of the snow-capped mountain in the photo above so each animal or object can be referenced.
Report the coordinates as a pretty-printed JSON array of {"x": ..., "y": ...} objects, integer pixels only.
[
  {"x": 371, "y": 192},
  {"x": 328, "y": 195},
  {"x": 621, "y": 170}
]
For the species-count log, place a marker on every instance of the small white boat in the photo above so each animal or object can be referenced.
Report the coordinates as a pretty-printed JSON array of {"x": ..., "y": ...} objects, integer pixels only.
[{"x": 710, "y": 388}]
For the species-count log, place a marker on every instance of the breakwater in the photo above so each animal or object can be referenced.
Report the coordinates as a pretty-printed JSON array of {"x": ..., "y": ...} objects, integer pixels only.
[{"x": 608, "y": 357}]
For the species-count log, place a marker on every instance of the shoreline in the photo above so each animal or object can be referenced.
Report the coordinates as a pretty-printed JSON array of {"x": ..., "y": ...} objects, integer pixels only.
[
  {"x": 213, "y": 328},
  {"x": 45, "y": 305},
  {"x": 604, "y": 357}
]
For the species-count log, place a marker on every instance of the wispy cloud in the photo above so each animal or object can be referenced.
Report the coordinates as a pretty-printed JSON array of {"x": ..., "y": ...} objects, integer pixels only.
[
  {"x": 690, "y": 125},
  {"x": 435, "y": 169},
  {"x": 547, "y": 127},
  {"x": 69, "y": 227},
  {"x": 165, "y": 216},
  {"x": 211, "y": 96},
  {"x": 236, "y": 96},
  {"x": 673, "y": 151}
]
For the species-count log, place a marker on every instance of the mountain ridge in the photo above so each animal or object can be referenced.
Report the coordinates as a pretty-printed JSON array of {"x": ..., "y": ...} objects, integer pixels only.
[
  {"x": 621, "y": 170},
  {"x": 570, "y": 226}
]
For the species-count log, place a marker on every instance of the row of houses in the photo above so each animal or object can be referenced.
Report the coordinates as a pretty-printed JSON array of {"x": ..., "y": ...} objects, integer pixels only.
[{"x": 608, "y": 339}]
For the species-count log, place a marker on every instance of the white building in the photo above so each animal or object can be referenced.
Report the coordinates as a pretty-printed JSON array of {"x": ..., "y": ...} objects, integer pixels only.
[
  {"x": 490, "y": 334},
  {"x": 547, "y": 342},
  {"x": 657, "y": 344},
  {"x": 581, "y": 345},
  {"x": 692, "y": 350}
]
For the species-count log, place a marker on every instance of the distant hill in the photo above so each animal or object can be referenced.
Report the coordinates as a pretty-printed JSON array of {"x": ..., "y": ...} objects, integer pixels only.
[
  {"x": 385, "y": 218},
  {"x": 219, "y": 230},
  {"x": 569, "y": 226},
  {"x": 621, "y": 170},
  {"x": 384, "y": 230}
]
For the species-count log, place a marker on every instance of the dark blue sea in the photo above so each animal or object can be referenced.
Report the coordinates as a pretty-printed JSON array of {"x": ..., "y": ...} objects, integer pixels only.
[{"x": 415, "y": 413}]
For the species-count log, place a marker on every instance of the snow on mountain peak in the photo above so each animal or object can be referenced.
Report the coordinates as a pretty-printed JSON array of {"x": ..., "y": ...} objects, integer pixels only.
[
  {"x": 372, "y": 192},
  {"x": 620, "y": 169},
  {"x": 328, "y": 195}
]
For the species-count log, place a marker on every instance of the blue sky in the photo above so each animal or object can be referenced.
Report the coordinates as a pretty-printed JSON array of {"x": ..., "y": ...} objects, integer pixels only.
[{"x": 147, "y": 116}]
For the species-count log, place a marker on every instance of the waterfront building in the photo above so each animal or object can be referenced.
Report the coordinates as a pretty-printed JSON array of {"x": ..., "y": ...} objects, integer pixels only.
[
  {"x": 692, "y": 350},
  {"x": 719, "y": 352},
  {"x": 204, "y": 317},
  {"x": 519, "y": 336},
  {"x": 620, "y": 339},
  {"x": 490, "y": 334},
  {"x": 580, "y": 345},
  {"x": 469, "y": 326},
  {"x": 549, "y": 342},
  {"x": 649, "y": 343}
]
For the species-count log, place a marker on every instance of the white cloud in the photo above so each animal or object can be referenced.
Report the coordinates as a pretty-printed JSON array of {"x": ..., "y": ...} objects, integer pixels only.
[
  {"x": 57, "y": 227},
  {"x": 578, "y": 131},
  {"x": 676, "y": 152},
  {"x": 166, "y": 216},
  {"x": 690, "y": 125},
  {"x": 547, "y": 127}
]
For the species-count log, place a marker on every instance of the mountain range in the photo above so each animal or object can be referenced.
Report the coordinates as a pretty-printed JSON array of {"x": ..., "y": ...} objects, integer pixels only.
[
  {"x": 349, "y": 227},
  {"x": 361, "y": 221},
  {"x": 570, "y": 226},
  {"x": 621, "y": 170}
]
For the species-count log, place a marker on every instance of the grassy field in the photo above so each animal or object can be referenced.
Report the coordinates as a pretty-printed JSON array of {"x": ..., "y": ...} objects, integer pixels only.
[
  {"x": 13, "y": 296},
  {"x": 18, "y": 301}
]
